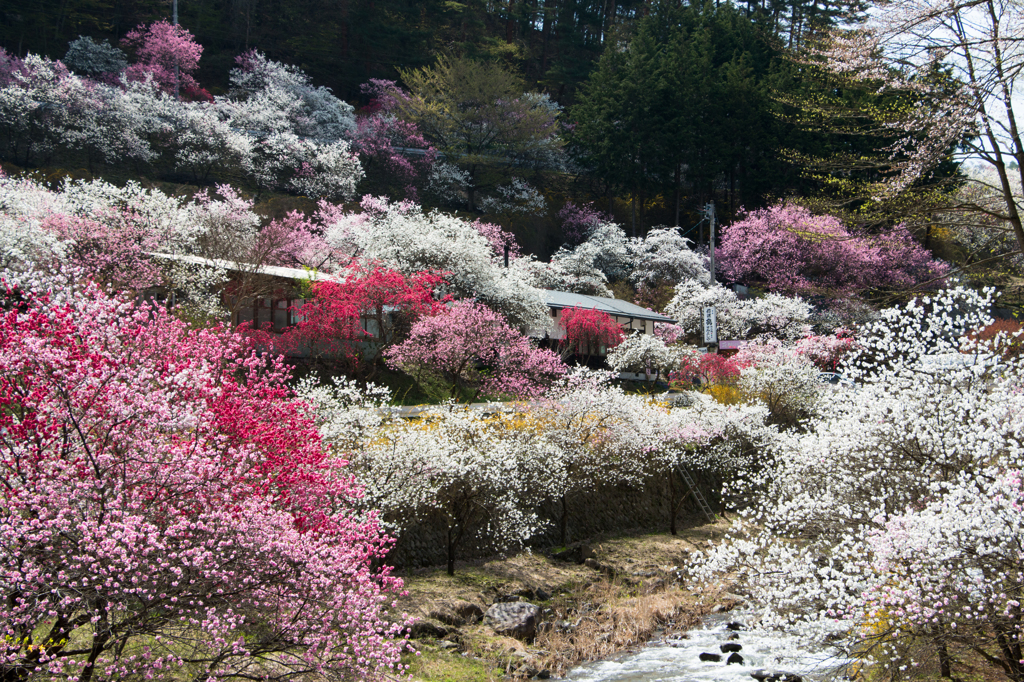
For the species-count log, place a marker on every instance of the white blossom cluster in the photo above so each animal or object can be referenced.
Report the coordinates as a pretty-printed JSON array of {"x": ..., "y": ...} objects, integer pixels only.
[
  {"x": 300, "y": 132},
  {"x": 891, "y": 523},
  {"x": 665, "y": 256},
  {"x": 781, "y": 316},
  {"x": 275, "y": 127},
  {"x": 486, "y": 470},
  {"x": 646, "y": 354},
  {"x": 587, "y": 267},
  {"x": 785, "y": 381},
  {"x": 221, "y": 226},
  {"x": 517, "y": 197}
]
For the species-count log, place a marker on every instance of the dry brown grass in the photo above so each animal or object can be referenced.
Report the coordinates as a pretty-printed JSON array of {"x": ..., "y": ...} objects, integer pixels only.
[{"x": 634, "y": 593}]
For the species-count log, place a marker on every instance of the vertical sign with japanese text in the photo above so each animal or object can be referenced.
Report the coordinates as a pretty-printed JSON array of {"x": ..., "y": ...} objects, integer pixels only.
[{"x": 710, "y": 325}]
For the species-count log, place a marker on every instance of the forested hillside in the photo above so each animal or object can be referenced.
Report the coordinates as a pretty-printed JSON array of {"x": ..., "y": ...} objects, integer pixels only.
[
  {"x": 660, "y": 108},
  {"x": 343, "y": 44}
]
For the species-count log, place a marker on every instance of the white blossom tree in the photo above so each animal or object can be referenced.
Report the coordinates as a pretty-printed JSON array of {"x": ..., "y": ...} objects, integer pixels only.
[
  {"x": 587, "y": 267},
  {"x": 781, "y": 316},
  {"x": 892, "y": 525},
  {"x": 402, "y": 236},
  {"x": 482, "y": 473},
  {"x": 645, "y": 354},
  {"x": 664, "y": 256},
  {"x": 600, "y": 433}
]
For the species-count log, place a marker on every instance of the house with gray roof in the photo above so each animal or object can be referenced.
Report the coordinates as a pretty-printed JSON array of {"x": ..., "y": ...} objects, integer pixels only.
[{"x": 631, "y": 317}]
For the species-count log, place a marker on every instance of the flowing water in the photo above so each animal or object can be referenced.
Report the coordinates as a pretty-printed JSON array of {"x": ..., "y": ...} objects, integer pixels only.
[{"x": 678, "y": 660}]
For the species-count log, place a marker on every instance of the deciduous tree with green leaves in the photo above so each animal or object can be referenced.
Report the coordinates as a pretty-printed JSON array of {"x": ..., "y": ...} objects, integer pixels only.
[{"x": 480, "y": 116}]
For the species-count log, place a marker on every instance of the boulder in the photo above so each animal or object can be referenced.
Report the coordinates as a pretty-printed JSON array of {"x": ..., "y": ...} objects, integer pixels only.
[
  {"x": 468, "y": 610},
  {"x": 710, "y": 658},
  {"x": 427, "y": 628},
  {"x": 735, "y": 626},
  {"x": 515, "y": 619},
  {"x": 598, "y": 566},
  {"x": 768, "y": 675},
  {"x": 576, "y": 552},
  {"x": 730, "y": 648},
  {"x": 456, "y": 612},
  {"x": 734, "y": 659}
]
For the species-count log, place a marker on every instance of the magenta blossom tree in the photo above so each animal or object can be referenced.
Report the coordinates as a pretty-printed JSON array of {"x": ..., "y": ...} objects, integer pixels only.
[
  {"x": 789, "y": 250},
  {"x": 167, "y": 508},
  {"x": 579, "y": 221},
  {"x": 472, "y": 347},
  {"x": 395, "y": 156},
  {"x": 169, "y": 54}
]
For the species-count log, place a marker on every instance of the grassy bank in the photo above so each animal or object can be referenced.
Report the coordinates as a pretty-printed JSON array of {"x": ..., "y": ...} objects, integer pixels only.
[{"x": 627, "y": 589}]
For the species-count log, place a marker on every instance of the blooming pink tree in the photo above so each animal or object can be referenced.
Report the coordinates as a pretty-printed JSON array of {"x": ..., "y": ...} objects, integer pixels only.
[
  {"x": 352, "y": 321},
  {"x": 111, "y": 251},
  {"x": 827, "y": 351},
  {"x": 789, "y": 250},
  {"x": 501, "y": 240},
  {"x": 166, "y": 504},
  {"x": 169, "y": 54},
  {"x": 471, "y": 347},
  {"x": 707, "y": 370}
]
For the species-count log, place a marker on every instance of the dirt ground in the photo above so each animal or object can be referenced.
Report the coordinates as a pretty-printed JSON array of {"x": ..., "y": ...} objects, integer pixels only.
[{"x": 607, "y": 596}]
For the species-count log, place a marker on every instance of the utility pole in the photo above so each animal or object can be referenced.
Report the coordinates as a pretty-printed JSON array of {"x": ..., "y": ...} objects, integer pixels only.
[
  {"x": 177, "y": 78},
  {"x": 710, "y": 214}
]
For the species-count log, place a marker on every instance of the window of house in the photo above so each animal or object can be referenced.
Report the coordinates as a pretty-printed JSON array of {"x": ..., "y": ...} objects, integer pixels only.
[{"x": 294, "y": 317}]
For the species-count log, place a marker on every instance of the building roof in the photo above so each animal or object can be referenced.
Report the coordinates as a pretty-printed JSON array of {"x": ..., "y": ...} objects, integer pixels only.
[
  {"x": 272, "y": 270},
  {"x": 553, "y": 299},
  {"x": 612, "y": 306}
]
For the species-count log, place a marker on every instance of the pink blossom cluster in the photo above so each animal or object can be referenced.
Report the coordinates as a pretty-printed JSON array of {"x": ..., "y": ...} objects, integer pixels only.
[
  {"x": 168, "y": 54},
  {"x": 827, "y": 351},
  {"x": 790, "y": 250},
  {"x": 334, "y": 320},
  {"x": 166, "y": 503},
  {"x": 382, "y": 139},
  {"x": 471, "y": 346},
  {"x": 587, "y": 329},
  {"x": 499, "y": 238},
  {"x": 708, "y": 369},
  {"x": 579, "y": 221}
]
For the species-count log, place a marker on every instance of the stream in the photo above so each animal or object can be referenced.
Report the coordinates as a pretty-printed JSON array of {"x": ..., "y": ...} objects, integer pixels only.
[{"x": 678, "y": 659}]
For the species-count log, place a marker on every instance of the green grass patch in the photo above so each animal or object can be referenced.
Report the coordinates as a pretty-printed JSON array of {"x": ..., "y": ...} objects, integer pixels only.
[{"x": 437, "y": 665}]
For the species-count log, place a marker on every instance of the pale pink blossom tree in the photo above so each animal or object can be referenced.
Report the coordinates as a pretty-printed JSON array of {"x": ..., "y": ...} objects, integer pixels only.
[
  {"x": 902, "y": 47},
  {"x": 166, "y": 504},
  {"x": 471, "y": 347},
  {"x": 393, "y": 152}
]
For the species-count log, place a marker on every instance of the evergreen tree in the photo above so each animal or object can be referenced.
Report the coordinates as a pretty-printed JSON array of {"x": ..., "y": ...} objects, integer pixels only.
[{"x": 681, "y": 106}]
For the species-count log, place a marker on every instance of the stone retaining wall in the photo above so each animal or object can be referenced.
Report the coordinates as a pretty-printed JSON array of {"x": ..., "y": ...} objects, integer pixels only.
[{"x": 607, "y": 509}]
